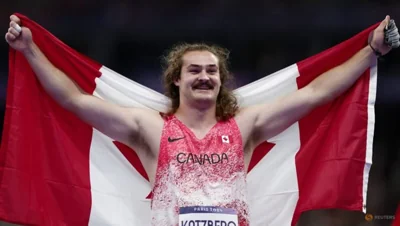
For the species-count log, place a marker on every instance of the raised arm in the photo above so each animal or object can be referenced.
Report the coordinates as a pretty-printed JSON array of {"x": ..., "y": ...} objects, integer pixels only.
[
  {"x": 271, "y": 119},
  {"x": 117, "y": 122}
]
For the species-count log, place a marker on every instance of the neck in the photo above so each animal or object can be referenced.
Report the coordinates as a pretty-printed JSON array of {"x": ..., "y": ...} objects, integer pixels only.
[{"x": 195, "y": 117}]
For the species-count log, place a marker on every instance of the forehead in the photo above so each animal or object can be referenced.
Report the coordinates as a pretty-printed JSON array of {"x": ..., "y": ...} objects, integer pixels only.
[{"x": 199, "y": 58}]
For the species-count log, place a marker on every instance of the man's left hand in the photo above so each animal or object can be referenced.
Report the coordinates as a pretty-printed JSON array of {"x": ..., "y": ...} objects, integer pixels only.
[{"x": 377, "y": 40}]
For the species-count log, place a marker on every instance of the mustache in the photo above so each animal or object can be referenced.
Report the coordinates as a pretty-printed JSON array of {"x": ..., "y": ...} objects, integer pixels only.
[{"x": 208, "y": 84}]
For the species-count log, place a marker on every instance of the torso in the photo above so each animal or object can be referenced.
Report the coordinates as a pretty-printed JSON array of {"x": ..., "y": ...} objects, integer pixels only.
[{"x": 187, "y": 168}]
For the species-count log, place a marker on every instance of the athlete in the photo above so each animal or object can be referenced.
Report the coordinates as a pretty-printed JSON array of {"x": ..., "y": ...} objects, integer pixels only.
[{"x": 197, "y": 154}]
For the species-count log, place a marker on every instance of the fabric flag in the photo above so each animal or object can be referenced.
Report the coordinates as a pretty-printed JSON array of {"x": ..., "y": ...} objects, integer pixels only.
[{"x": 57, "y": 170}]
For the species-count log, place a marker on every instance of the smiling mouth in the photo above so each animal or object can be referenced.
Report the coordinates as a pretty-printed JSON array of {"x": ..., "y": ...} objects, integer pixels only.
[{"x": 203, "y": 87}]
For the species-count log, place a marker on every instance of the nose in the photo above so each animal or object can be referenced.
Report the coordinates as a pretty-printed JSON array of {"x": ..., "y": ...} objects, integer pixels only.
[{"x": 203, "y": 76}]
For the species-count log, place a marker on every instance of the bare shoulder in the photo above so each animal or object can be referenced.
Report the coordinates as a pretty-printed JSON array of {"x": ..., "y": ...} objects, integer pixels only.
[
  {"x": 245, "y": 119},
  {"x": 145, "y": 140},
  {"x": 150, "y": 124},
  {"x": 148, "y": 119}
]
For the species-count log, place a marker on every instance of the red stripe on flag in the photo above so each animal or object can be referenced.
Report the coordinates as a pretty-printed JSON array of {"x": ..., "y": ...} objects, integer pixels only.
[
  {"x": 44, "y": 162},
  {"x": 331, "y": 160}
]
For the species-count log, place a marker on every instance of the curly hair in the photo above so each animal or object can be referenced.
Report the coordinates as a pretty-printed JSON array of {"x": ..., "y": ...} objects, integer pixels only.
[{"x": 227, "y": 105}]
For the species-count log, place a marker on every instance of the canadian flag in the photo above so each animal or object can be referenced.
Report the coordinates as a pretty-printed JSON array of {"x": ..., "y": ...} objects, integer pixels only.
[
  {"x": 57, "y": 170},
  {"x": 225, "y": 139}
]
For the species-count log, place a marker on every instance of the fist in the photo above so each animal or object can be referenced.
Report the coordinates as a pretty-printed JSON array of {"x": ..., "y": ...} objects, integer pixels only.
[
  {"x": 19, "y": 38},
  {"x": 377, "y": 37}
]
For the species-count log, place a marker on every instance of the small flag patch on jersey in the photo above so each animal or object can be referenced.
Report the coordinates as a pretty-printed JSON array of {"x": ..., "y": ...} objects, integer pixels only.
[{"x": 225, "y": 139}]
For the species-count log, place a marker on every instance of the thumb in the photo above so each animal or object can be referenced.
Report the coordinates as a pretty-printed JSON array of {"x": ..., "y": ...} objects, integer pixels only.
[{"x": 384, "y": 23}]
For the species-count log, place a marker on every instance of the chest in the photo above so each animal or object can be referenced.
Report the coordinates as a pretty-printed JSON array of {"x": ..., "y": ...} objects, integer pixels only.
[
  {"x": 220, "y": 151},
  {"x": 218, "y": 141}
]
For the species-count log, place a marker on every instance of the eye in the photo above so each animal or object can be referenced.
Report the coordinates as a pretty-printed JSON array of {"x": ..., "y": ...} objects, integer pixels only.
[
  {"x": 212, "y": 71},
  {"x": 194, "y": 71}
]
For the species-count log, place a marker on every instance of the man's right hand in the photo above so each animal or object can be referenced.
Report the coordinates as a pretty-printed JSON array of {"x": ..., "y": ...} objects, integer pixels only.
[
  {"x": 137, "y": 128},
  {"x": 20, "y": 40}
]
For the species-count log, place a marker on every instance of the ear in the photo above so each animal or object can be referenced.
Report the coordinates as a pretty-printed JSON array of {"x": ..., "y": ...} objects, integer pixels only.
[{"x": 177, "y": 82}]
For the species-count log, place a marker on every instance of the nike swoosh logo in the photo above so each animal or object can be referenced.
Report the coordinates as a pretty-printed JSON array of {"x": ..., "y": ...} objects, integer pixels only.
[{"x": 174, "y": 139}]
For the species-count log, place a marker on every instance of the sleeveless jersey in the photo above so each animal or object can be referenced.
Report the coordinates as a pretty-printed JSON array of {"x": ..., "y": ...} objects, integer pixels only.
[{"x": 199, "y": 172}]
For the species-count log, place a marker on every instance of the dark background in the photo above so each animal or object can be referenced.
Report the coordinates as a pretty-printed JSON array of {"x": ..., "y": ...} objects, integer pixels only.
[{"x": 263, "y": 36}]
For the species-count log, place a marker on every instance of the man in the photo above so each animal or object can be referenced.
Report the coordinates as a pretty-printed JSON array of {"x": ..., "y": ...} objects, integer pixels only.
[{"x": 180, "y": 148}]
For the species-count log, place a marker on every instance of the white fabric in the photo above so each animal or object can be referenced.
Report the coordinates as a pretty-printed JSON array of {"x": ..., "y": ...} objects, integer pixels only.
[{"x": 370, "y": 130}]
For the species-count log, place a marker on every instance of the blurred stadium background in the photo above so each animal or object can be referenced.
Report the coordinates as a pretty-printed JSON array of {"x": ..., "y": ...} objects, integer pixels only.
[{"x": 263, "y": 36}]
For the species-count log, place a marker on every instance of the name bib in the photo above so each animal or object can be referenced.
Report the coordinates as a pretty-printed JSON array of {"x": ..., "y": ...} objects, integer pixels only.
[{"x": 207, "y": 216}]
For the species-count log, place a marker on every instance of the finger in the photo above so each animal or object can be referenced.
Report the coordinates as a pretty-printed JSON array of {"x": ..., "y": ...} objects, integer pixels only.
[
  {"x": 10, "y": 37},
  {"x": 15, "y": 23},
  {"x": 15, "y": 19},
  {"x": 13, "y": 31},
  {"x": 15, "y": 26}
]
